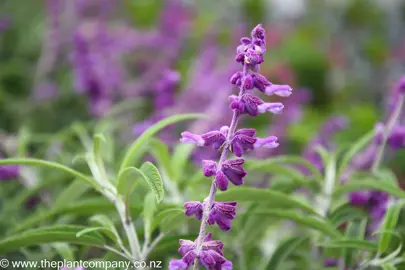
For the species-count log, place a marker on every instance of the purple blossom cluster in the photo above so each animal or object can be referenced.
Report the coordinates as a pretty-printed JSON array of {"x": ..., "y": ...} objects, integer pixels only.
[{"x": 204, "y": 251}]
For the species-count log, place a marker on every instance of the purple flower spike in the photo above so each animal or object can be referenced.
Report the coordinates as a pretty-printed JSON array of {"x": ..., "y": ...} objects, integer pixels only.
[
  {"x": 221, "y": 181},
  {"x": 234, "y": 171},
  {"x": 194, "y": 209},
  {"x": 209, "y": 168},
  {"x": 178, "y": 265},
  {"x": 222, "y": 213},
  {"x": 269, "y": 142},
  {"x": 359, "y": 198},
  {"x": 243, "y": 140},
  {"x": 281, "y": 90},
  {"x": 214, "y": 138},
  {"x": 274, "y": 107}
]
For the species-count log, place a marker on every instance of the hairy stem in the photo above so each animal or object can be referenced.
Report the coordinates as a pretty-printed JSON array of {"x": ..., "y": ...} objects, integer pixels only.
[
  {"x": 210, "y": 199},
  {"x": 387, "y": 130}
]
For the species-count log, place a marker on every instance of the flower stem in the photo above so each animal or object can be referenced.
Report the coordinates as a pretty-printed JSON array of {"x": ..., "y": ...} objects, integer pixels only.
[
  {"x": 222, "y": 159},
  {"x": 387, "y": 130}
]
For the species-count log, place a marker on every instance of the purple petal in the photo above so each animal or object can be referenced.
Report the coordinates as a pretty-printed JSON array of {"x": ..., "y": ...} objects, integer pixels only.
[
  {"x": 226, "y": 265},
  {"x": 194, "y": 209},
  {"x": 234, "y": 171},
  {"x": 248, "y": 82},
  {"x": 189, "y": 137},
  {"x": 269, "y": 142},
  {"x": 359, "y": 198},
  {"x": 221, "y": 181},
  {"x": 274, "y": 107},
  {"x": 177, "y": 265},
  {"x": 209, "y": 167},
  {"x": 279, "y": 90}
]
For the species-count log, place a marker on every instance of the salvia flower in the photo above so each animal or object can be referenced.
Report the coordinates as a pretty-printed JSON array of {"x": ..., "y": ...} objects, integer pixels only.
[
  {"x": 220, "y": 213},
  {"x": 227, "y": 140},
  {"x": 8, "y": 172}
]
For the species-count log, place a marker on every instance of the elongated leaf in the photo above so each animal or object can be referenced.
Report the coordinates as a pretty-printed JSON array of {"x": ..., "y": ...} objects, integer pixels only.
[
  {"x": 350, "y": 243},
  {"x": 315, "y": 223},
  {"x": 369, "y": 184},
  {"x": 354, "y": 149},
  {"x": 98, "y": 140},
  {"x": 283, "y": 251},
  {"x": 356, "y": 230},
  {"x": 49, "y": 164},
  {"x": 283, "y": 160},
  {"x": 274, "y": 198},
  {"x": 60, "y": 233},
  {"x": 181, "y": 157},
  {"x": 388, "y": 266},
  {"x": 170, "y": 213},
  {"x": 71, "y": 193},
  {"x": 64, "y": 250},
  {"x": 89, "y": 230},
  {"x": 149, "y": 209},
  {"x": 346, "y": 213},
  {"x": 389, "y": 225},
  {"x": 151, "y": 131},
  {"x": 154, "y": 180},
  {"x": 161, "y": 153},
  {"x": 109, "y": 227},
  {"x": 127, "y": 179}
]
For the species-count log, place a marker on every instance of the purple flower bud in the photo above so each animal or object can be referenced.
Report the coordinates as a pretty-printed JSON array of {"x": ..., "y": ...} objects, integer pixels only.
[
  {"x": 242, "y": 140},
  {"x": 221, "y": 181},
  {"x": 8, "y": 172},
  {"x": 253, "y": 58},
  {"x": 240, "y": 57},
  {"x": 248, "y": 83},
  {"x": 330, "y": 262},
  {"x": 279, "y": 90},
  {"x": 245, "y": 41},
  {"x": 397, "y": 138},
  {"x": 233, "y": 169},
  {"x": 260, "y": 82},
  {"x": 222, "y": 213},
  {"x": 210, "y": 254},
  {"x": 214, "y": 138},
  {"x": 209, "y": 168},
  {"x": 253, "y": 105},
  {"x": 269, "y": 142},
  {"x": 178, "y": 265},
  {"x": 194, "y": 209},
  {"x": 236, "y": 78},
  {"x": 359, "y": 198},
  {"x": 258, "y": 32}
]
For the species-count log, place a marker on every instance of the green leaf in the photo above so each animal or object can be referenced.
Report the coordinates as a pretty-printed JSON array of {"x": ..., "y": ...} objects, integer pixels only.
[
  {"x": 49, "y": 164},
  {"x": 154, "y": 180},
  {"x": 356, "y": 230},
  {"x": 346, "y": 213},
  {"x": 389, "y": 225},
  {"x": 59, "y": 233},
  {"x": 354, "y": 149},
  {"x": 161, "y": 153},
  {"x": 165, "y": 215},
  {"x": 107, "y": 223},
  {"x": 350, "y": 243},
  {"x": 283, "y": 160},
  {"x": 388, "y": 266},
  {"x": 151, "y": 131},
  {"x": 283, "y": 251},
  {"x": 71, "y": 193},
  {"x": 273, "y": 198},
  {"x": 98, "y": 139},
  {"x": 180, "y": 158},
  {"x": 89, "y": 230},
  {"x": 64, "y": 250},
  {"x": 148, "y": 213},
  {"x": 127, "y": 180},
  {"x": 315, "y": 223},
  {"x": 369, "y": 184}
]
